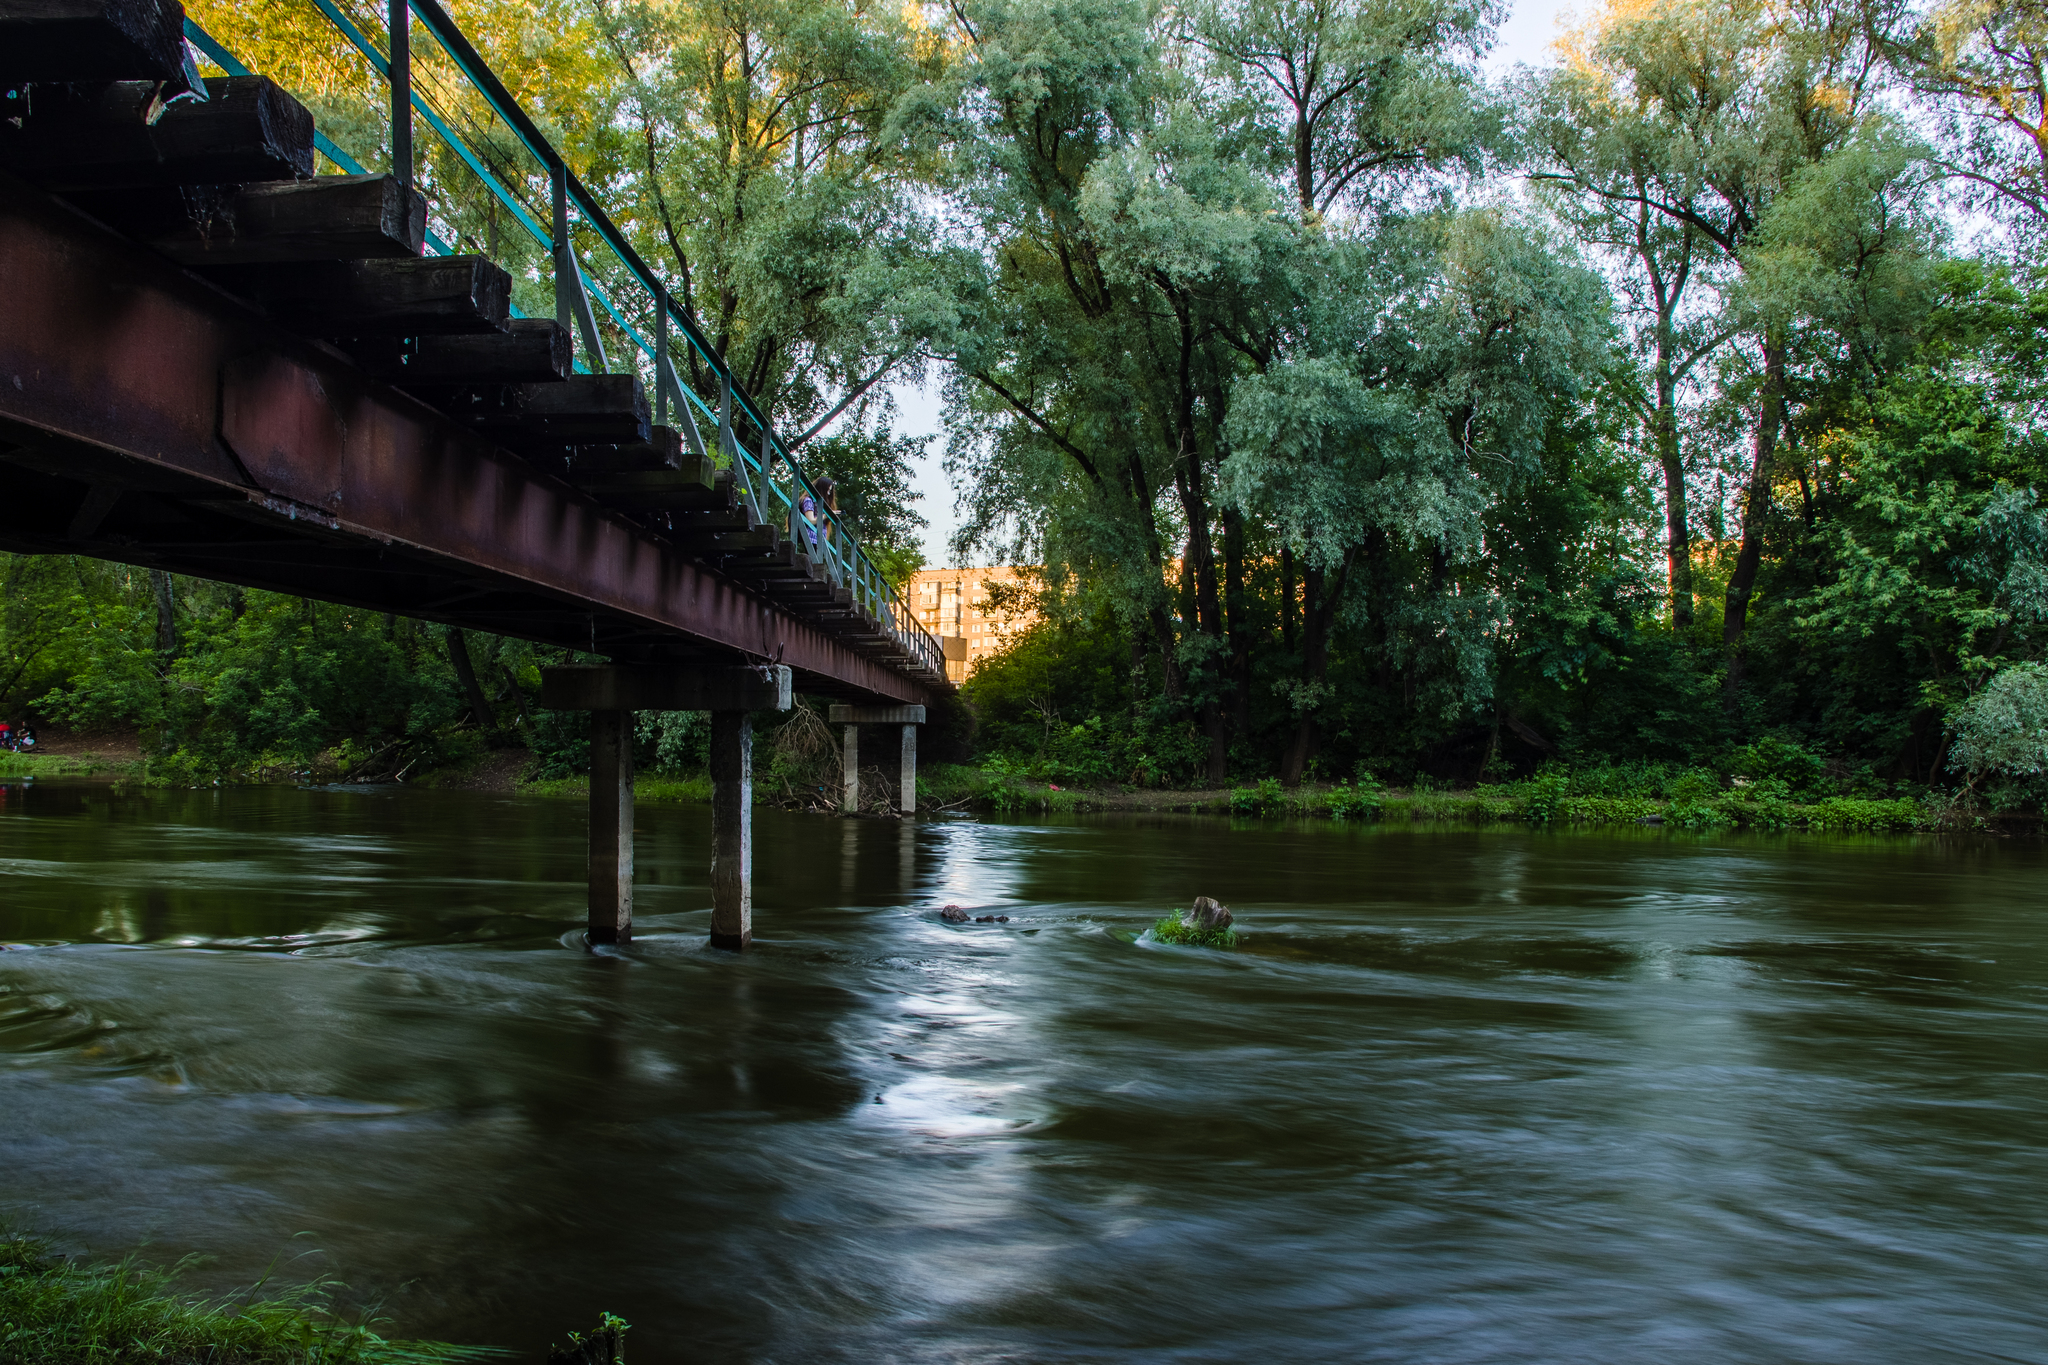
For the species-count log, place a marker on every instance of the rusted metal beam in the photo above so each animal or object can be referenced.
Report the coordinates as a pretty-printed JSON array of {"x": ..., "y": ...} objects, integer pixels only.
[{"x": 117, "y": 366}]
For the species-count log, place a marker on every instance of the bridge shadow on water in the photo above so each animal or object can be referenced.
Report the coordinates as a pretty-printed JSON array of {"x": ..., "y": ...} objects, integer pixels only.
[{"x": 1459, "y": 1096}]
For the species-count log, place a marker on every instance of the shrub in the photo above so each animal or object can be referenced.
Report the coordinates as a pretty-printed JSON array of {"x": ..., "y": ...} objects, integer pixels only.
[
  {"x": 1848, "y": 814},
  {"x": 1360, "y": 802},
  {"x": 1173, "y": 930},
  {"x": 1543, "y": 796},
  {"x": 1267, "y": 798}
]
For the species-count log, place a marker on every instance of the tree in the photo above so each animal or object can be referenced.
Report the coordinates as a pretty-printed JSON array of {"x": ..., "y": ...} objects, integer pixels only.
[
  {"x": 1982, "y": 67},
  {"x": 1713, "y": 106},
  {"x": 1416, "y": 386},
  {"x": 1601, "y": 181}
]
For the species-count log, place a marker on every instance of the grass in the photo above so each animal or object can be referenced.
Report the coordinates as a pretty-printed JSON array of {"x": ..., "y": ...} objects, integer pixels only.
[
  {"x": 50, "y": 765},
  {"x": 1173, "y": 930},
  {"x": 1543, "y": 800},
  {"x": 647, "y": 789},
  {"x": 59, "y": 1311}
]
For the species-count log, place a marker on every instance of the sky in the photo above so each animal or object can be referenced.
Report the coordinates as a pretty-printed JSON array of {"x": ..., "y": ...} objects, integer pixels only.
[{"x": 1525, "y": 39}]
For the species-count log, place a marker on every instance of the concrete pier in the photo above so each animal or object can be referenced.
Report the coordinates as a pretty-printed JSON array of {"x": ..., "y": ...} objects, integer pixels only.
[
  {"x": 612, "y": 693},
  {"x": 899, "y": 760},
  {"x": 611, "y": 826},
  {"x": 732, "y": 829}
]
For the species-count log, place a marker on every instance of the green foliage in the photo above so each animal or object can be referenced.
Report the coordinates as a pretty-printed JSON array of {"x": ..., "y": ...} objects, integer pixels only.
[
  {"x": 1173, "y": 930},
  {"x": 57, "y": 1311},
  {"x": 1267, "y": 798},
  {"x": 1362, "y": 801},
  {"x": 1544, "y": 796},
  {"x": 1852, "y": 815},
  {"x": 669, "y": 741}
]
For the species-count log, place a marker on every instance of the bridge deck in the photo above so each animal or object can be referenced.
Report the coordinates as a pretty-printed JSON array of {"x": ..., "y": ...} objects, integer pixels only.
[
  {"x": 147, "y": 416},
  {"x": 215, "y": 363}
]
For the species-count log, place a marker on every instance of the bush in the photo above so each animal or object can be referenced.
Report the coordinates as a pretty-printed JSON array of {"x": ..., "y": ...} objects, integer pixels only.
[
  {"x": 1173, "y": 930},
  {"x": 1267, "y": 798},
  {"x": 1360, "y": 802},
  {"x": 1544, "y": 796},
  {"x": 1854, "y": 815}
]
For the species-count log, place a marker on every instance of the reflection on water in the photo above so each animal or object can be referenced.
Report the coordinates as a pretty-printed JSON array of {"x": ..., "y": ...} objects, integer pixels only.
[{"x": 1461, "y": 1096}]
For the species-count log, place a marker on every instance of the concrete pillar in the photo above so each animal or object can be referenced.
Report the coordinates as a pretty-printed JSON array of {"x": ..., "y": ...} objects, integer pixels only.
[
  {"x": 904, "y": 760},
  {"x": 906, "y": 771},
  {"x": 849, "y": 769},
  {"x": 611, "y": 826},
  {"x": 732, "y": 829}
]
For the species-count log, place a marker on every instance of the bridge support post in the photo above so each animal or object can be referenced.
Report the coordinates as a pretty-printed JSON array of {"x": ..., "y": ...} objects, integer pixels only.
[
  {"x": 611, "y": 827},
  {"x": 906, "y": 771},
  {"x": 849, "y": 768},
  {"x": 612, "y": 693},
  {"x": 904, "y": 720},
  {"x": 732, "y": 829}
]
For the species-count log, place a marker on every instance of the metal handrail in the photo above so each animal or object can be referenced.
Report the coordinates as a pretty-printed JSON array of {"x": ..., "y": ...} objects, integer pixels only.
[{"x": 840, "y": 553}]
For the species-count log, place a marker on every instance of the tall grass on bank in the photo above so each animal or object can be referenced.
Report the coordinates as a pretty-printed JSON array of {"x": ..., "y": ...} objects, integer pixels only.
[{"x": 59, "y": 1311}]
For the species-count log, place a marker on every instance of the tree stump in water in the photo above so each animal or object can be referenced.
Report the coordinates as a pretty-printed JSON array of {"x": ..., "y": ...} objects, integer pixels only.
[{"x": 1207, "y": 915}]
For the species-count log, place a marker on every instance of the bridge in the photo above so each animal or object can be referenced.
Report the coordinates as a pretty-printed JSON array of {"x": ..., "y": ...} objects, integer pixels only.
[{"x": 216, "y": 362}]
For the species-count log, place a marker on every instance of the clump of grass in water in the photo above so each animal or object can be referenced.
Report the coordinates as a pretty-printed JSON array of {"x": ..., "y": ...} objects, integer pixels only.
[
  {"x": 1173, "y": 929},
  {"x": 55, "y": 1311}
]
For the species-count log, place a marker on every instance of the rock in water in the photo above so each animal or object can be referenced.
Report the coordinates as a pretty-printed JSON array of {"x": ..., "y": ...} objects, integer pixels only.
[
  {"x": 953, "y": 914},
  {"x": 1207, "y": 915}
]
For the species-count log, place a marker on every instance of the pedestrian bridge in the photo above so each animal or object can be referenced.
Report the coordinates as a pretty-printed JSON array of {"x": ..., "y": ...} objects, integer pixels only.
[{"x": 215, "y": 361}]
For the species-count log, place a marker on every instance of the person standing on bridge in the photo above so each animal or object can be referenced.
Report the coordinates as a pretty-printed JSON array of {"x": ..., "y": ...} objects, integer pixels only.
[
  {"x": 828, "y": 507},
  {"x": 803, "y": 526}
]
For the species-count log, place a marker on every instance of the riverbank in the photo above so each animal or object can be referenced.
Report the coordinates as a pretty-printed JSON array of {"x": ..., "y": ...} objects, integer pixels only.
[
  {"x": 1537, "y": 801},
  {"x": 56, "y": 1310},
  {"x": 1695, "y": 800}
]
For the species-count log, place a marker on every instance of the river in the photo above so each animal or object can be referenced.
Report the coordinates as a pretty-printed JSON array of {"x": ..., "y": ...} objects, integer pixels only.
[{"x": 1461, "y": 1095}]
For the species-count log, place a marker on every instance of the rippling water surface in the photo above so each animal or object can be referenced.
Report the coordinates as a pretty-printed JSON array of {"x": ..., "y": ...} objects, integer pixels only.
[{"x": 1460, "y": 1096}]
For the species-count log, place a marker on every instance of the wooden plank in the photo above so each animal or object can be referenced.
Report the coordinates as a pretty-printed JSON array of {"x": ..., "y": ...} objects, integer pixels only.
[
  {"x": 405, "y": 296},
  {"x": 584, "y": 409},
  {"x": 99, "y": 136},
  {"x": 680, "y": 487},
  {"x": 93, "y": 40},
  {"x": 706, "y": 545},
  {"x": 663, "y": 449},
  {"x": 528, "y": 351},
  {"x": 327, "y": 218}
]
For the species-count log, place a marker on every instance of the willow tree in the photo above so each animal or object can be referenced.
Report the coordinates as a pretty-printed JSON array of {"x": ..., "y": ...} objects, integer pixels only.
[
  {"x": 762, "y": 176},
  {"x": 1981, "y": 68},
  {"x": 1370, "y": 116},
  {"x": 1603, "y": 181},
  {"x": 1151, "y": 192},
  {"x": 1720, "y": 105}
]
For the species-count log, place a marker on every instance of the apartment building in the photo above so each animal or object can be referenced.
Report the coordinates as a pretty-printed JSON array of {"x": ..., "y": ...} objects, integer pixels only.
[{"x": 953, "y": 605}]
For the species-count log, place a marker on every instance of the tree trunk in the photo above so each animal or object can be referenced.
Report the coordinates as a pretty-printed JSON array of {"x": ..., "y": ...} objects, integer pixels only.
[
  {"x": 1678, "y": 534},
  {"x": 1169, "y": 662},
  {"x": 1320, "y": 596},
  {"x": 1237, "y": 622},
  {"x": 1287, "y": 598},
  {"x": 458, "y": 655},
  {"x": 1199, "y": 572},
  {"x": 166, "y": 614},
  {"x": 1755, "y": 508}
]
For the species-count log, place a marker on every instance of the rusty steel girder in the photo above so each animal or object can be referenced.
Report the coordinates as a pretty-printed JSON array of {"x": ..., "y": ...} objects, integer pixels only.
[{"x": 121, "y": 372}]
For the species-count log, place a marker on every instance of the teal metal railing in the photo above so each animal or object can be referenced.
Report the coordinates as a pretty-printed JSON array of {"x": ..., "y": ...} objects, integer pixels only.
[{"x": 770, "y": 478}]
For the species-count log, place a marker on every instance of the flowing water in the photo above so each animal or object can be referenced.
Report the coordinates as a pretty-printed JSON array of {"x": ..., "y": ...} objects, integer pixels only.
[{"x": 1461, "y": 1095}]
